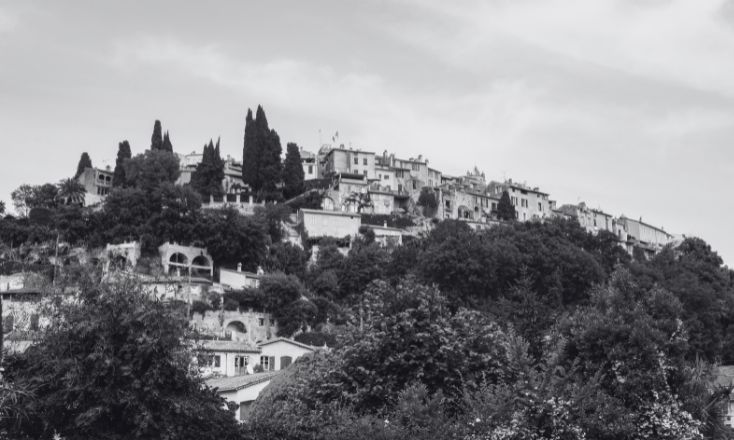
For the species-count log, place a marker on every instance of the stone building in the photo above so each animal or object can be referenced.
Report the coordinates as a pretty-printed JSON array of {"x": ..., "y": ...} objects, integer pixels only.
[
  {"x": 530, "y": 203},
  {"x": 592, "y": 220},
  {"x": 249, "y": 326},
  {"x": 348, "y": 161}
]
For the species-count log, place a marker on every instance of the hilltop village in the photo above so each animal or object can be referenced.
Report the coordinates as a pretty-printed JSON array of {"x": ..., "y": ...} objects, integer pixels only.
[{"x": 395, "y": 282}]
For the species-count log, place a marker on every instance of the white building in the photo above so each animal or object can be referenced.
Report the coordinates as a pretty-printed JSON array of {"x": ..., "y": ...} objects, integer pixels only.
[
  {"x": 239, "y": 279},
  {"x": 226, "y": 358},
  {"x": 277, "y": 354},
  {"x": 329, "y": 223},
  {"x": 242, "y": 390}
]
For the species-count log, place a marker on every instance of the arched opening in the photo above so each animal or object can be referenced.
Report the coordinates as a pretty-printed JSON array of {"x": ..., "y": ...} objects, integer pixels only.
[
  {"x": 201, "y": 267},
  {"x": 178, "y": 264},
  {"x": 236, "y": 330}
]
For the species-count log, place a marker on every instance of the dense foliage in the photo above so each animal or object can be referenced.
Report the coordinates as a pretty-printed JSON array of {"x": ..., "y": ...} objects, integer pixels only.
[{"x": 113, "y": 365}]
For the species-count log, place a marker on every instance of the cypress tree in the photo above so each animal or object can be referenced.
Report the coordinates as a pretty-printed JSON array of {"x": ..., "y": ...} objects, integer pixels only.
[
  {"x": 123, "y": 153},
  {"x": 207, "y": 179},
  {"x": 84, "y": 162},
  {"x": 156, "y": 141},
  {"x": 262, "y": 169},
  {"x": 292, "y": 172},
  {"x": 167, "y": 146},
  {"x": 505, "y": 210},
  {"x": 250, "y": 152}
]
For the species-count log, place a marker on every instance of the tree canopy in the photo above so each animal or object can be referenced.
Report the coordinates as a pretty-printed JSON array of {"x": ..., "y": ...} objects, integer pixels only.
[{"x": 120, "y": 369}]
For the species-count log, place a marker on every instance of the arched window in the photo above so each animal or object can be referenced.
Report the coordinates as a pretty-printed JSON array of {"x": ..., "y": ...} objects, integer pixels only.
[
  {"x": 204, "y": 264},
  {"x": 178, "y": 264}
]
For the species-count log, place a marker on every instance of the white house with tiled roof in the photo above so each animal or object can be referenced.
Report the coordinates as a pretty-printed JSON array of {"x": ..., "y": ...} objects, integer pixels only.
[{"x": 277, "y": 354}]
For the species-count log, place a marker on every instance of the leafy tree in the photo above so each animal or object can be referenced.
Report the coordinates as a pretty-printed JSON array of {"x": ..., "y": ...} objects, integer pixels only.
[
  {"x": 292, "y": 172},
  {"x": 123, "y": 153},
  {"x": 167, "y": 146},
  {"x": 84, "y": 162},
  {"x": 272, "y": 216},
  {"x": 2, "y": 207},
  {"x": 21, "y": 197},
  {"x": 232, "y": 238},
  {"x": 44, "y": 196},
  {"x": 363, "y": 265},
  {"x": 505, "y": 208},
  {"x": 149, "y": 170},
  {"x": 71, "y": 192},
  {"x": 125, "y": 216},
  {"x": 156, "y": 140},
  {"x": 261, "y": 166},
  {"x": 207, "y": 179},
  {"x": 286, "y": 258},
  {"x": 120, "y": 370}
]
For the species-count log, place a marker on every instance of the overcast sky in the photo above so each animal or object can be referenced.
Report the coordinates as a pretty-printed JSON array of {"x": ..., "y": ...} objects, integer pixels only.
[{"x": 625, "y": 104}]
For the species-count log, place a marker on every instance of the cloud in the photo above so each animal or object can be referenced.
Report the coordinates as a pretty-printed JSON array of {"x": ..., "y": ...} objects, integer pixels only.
[
  {"x": 378, "y": 113},
  {"x": 8, "y": 21},
  {"x": 686, "y": 42}
]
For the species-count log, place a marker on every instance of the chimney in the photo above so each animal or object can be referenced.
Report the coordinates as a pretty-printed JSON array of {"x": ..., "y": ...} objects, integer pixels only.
[{"x": 239, "y": 267}]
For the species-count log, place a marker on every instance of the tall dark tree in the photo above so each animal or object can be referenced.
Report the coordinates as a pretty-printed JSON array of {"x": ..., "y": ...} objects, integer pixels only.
[
  {"x": 123, "y": 153},
  {"x": 261, "y": 165},
  {"x": 84, "y": 162},
  {"x": 167, "y": 146},
  {"x": 292, "y": 172},
  {"x": 505, "y": 210},
  {"x": 207, "y": 179},
  {"x": 156, "y": 141}
]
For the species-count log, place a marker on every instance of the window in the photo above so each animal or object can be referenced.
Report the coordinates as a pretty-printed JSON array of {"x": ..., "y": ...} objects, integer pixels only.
[
  {"x": 415, "y": 167},
  {"x": 261, "y": 322},
  {"x": 364, "y": 172},
  {"x": 268, "y": 363},
  {"x": 310, "y": 169},
  {"x": 364, "y": 161},
  {"x": 217, "y": 361},
  {"x": 356, "y": 161},
  {"x": 272, "y": 321},
  {"x": 415, "y": 185},
  {"x": 540, "y": 206},
  {"x": 385, "y": 177},
  {"x": 34, "y": 321}
]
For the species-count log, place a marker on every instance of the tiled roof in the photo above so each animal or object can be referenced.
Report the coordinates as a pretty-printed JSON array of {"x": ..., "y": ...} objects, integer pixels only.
[
  {"x": 229, "y": 346},
  {"x": 234, "y": 383}
]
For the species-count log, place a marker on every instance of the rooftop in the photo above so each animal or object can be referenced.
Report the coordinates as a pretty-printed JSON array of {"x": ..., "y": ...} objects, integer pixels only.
[
  {"x": 228, "y": 346},
  {"x": 234, "y": 383}
]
